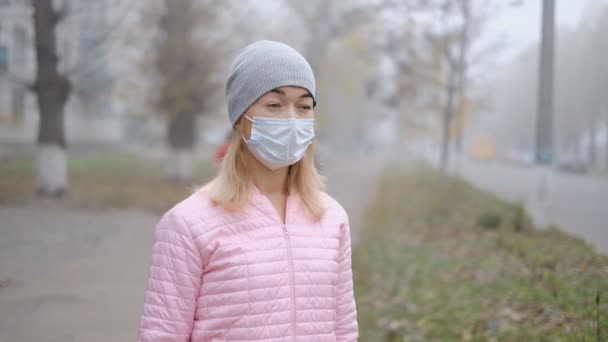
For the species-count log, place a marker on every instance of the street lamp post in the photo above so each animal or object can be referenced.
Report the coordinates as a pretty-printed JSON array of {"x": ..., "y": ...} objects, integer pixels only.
[
  {"x": 544, "y": 119},
  {"x": 544, "y": 150}
]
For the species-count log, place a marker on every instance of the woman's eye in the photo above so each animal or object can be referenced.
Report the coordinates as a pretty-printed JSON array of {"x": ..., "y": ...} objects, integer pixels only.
[
  {"x": 273, "y": 105},
  {"x": 306, "y": 107}
]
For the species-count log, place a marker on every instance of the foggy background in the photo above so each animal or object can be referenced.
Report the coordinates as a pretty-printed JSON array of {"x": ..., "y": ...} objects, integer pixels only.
[
  {"x": 381, "y": 66},
  {"x": 111, "y": 111}
]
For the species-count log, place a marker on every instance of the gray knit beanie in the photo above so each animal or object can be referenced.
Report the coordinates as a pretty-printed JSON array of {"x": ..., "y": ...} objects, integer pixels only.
[{"x": 261, "y": 67}]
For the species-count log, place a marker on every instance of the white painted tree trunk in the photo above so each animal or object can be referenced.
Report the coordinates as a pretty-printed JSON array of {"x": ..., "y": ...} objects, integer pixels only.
[
  {"x": 52, "y": 177},
  {"x": 540, "y": 204},
  {"x": 181, "y": 165}
]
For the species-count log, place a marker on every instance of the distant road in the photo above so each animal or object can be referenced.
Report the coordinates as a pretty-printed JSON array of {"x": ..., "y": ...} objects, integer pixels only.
[{"x": 579, "y": 203}]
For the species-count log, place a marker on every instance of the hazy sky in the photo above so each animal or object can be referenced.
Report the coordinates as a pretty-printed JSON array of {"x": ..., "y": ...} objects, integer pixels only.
[{"x": 520, "y": 25}]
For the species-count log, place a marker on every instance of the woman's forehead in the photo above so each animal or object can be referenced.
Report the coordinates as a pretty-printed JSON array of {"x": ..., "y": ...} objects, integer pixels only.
[{"x": 289, "y": 91}]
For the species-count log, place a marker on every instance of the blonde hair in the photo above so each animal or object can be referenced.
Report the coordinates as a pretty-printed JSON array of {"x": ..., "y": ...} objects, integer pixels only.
[{"x": 233, "y": 186}]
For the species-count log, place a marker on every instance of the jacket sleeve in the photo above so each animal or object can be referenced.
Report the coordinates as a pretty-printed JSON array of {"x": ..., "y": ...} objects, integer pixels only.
[
  {"x": 346, "y": 328},
  {"x": 174, "y": 281}
]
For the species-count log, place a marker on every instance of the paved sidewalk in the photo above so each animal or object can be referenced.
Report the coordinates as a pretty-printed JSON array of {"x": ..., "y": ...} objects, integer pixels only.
[
  {"x": 352, "y": 181},
  {"x": 70, "y": 275},
  {"x": 75, "y": 275}
]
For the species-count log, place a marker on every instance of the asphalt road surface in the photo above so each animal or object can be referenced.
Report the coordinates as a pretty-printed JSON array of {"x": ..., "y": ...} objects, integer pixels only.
[{"x": 578, "y": 204}]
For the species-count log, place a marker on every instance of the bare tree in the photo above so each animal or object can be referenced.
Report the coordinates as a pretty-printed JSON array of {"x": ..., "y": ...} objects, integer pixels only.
[
  {"x": 52, "y": 89},
  {"x": 52, "y": 86},
  {"x": 326, "y": 21},
  {"x": 187, "y": 62},
  {"x": 593, "y": 74},
  {"x": 433, "y": 55},
  {"x": 451, "y": 41}
]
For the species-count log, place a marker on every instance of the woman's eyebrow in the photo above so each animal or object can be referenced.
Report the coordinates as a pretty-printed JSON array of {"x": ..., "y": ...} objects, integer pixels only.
[{"x": 281, "y": 92}]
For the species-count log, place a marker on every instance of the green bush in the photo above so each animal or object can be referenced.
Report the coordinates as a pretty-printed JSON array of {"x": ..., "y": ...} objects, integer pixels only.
[{"x": 489, "y": 220}]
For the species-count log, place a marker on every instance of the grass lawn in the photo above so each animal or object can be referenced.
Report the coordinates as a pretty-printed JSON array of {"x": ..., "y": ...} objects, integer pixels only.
[
  {"x": 425, "y": 269},
  {"x": 108, "y": 180}
]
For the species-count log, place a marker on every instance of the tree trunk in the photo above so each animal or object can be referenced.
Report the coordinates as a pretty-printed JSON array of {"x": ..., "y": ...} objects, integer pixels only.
[
  {"x": 52, "y": 90},
  {"x": 182, "y": 135},
  {"x": 606, "y": 142},
  {"x": 447, "y": 120},
  {"x": 51, "y": 170},
  {"x": 592, "y": 146},
  {"x": 317, "y": 46},
  {"x": 462, "y": 72},
  {"x": 458, "y": 142}
]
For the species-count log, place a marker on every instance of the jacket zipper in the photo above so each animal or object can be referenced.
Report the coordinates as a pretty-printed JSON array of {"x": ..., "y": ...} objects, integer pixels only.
[{"x": 292, "y": 283}]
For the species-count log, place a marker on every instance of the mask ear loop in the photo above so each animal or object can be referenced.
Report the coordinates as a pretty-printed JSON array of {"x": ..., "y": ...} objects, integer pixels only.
[{"x": 240, "y": 129}]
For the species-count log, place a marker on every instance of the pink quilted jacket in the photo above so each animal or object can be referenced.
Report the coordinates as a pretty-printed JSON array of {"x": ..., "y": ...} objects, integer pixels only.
[{"x": 246, "y": 276}]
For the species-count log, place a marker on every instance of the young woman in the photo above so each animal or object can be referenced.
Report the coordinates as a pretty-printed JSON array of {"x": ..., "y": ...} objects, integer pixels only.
[{"x": 260, "y": 253}]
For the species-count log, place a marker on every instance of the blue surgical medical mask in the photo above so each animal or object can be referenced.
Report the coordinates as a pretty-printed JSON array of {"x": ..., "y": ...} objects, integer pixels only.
[{"x": 279, "y": 142}]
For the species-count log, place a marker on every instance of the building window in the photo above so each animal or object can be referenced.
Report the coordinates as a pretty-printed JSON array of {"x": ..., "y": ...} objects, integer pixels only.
[
  {"x": 20, "y": 46},
  {"x": 18, "y": 105},
  {"x": 3, "y": 59}
]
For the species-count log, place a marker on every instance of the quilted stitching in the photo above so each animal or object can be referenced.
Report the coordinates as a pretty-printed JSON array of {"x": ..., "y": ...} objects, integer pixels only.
[{"x": 221, "y": 276}]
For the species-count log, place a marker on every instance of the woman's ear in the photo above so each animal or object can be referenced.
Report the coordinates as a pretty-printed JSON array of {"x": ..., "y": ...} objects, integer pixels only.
[{"x": 241, "y": 128}]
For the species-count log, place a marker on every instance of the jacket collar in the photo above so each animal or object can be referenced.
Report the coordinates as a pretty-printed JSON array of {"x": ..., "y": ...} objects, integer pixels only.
[{"x": 263, "y": 204}]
